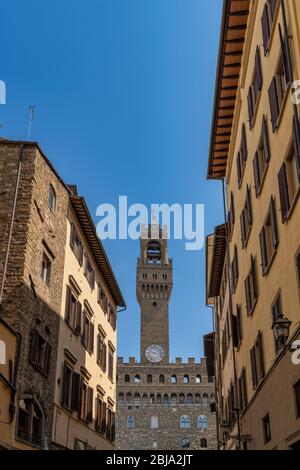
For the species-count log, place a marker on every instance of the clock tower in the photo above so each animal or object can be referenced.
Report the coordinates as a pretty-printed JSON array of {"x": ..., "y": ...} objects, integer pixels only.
[{"x": 154, "y": 287}]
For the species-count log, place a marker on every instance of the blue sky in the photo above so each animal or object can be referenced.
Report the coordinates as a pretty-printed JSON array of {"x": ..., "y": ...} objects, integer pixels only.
[{"x": 123, "y": 91}]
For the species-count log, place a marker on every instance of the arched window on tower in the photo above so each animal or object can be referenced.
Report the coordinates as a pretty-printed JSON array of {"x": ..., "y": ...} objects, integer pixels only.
[
  {"x": 185, "y": 443},
  {"x": 205, "y": 399},
  {"x": 137, "y": 399},
  {"x": 159, "y": 398},
  {"x": 203, "y": 443},
  {"x": 202, "y": 423},
  {"x": 181, "y": 398},
  {"x": 137, "y": 379},
  {"x": 189, "y": 398},
  {"x": 127, "y": 378},
  {"x": 185, "y": 422},
  {"x": 198, "y": 379},
  {"x": 161, "y": 379},
  {"x": 154, "y": 252},
  {"x": 174, "y": 379},
  {"x": 121, "y": 398},
  {"x": 149, "y": 379},
  {"x": 186, "y": 379}
]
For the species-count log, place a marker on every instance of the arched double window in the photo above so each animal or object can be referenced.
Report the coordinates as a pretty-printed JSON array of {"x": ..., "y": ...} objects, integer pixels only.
[
  {"x": 130, "y": 422},
  {"x": 154, "y": 422},
  {"x": 189, "y": 398},
  {"x": 202, "y": 423},
  {"x": 174, "y": 379},
  {"x": 181, "y": 398},
  {"x": 198, "y": 379},
  {"x": 129, "y": 398},
  {"x": 137, "y": 399},
  {"x": 203, "y": 443},
  {"x": 205, "y": 399},
  {"x": 30, "y": 420},
  {"x": 185, "y": 422},
  {"x": 173, "y": 398},
  {"x": 197, "y": 398},
  {"x": 185, "y": 443},
  {"x": 166, "y": 399},
  {"x": 145, "y": 399},
  {"x": 186, "y": 379}
]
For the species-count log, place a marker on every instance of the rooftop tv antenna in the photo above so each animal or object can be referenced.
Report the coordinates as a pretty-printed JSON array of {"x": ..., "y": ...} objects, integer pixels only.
[{"x": 31, "y": 117}]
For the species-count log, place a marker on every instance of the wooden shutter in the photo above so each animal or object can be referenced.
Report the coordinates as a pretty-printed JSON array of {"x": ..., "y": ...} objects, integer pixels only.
[
  {"x": 75, "y": 401},
  {"x": 33, "y": 346},
  {"x": 249, "y": 206},
  {"x": 92, "y": 332},
  {"x": 65, "y": 390},
  {"x": 243, "y": 232},
  {"x": 90, "y": 401},
  {"x": 273, "y": 4},
  {"x": 253, "y": 367},
  {"x": 232, "y": 208},
  {"x": 235, "y": 337},
  {"x": 84, "y": 326},
  {"x": 297, "y": 398},
  {"x": 250, "y": 108},
  {"x": 244, "y": 387},
  {"x": 104, "y": 355},
  {"x": 78, "y": 318},
  {"x": 47, "y": 359},
  {"x": 256, "y": 173},
  {"x": 72, "y": 236},
  {"x": 274, "y": 106},
  {"x": 113, "y": 426},
  {"x": 99, "y": 414},
  {"x": 263, "y": 250},
  {"x": 103, "y": 421},
  {"x": 265, "y": 137},
  {"x": 254, "y": 278},
  {"x": 247, "y": 292},
  {"x": 258, "y": 69},
  {"x": 296, "y": 140},
  {"x": 285, "y": 55},
  {"x": 273, "y": 218},
  {"x": 68, "y": 305},
  {"x": 284, "y": 194},
  {"x": 261, "y": 355},
  {"x": 98, "y": 347},
  {"x": 236, "y": 263},
  {"x": 298, "y": 267},
  {"x": 265, "y": 28},
  {"x": 244, "y": 144},
  {"x": 239, "y": 168}
]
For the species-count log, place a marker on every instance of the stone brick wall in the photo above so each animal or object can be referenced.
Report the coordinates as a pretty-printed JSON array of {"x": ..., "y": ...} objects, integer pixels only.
[
  {"x": 28, "y": 302},
  {"x": 167, "y": 401}
]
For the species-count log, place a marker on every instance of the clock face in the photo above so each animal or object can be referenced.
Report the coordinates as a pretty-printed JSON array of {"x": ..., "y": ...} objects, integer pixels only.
[{"x": 154, "y": 353}]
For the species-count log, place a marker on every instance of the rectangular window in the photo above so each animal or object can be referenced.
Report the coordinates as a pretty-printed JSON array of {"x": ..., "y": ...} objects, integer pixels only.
[
  {"x": 234, "y": 270},
  {"x": 237, "y": 327},
  {"x": 46, "y": 268},
  {"x": 101, "y": 352},
  {"x": 242, "y": 156},
  {"x": 297, "y": 398},
  {"x": 231, "y": 216},
  {"x": 73, "y": 312},
  {"x": 88, "y": 332},
  {"x": 40, "y": 352},
  {"x": 110, "y": 364},
  {"x": 269, "y": 238},
  {"x": 242, "y": 386},
  {"x": 67, "y": 386},
  {"x": 246, "y": 218},
  {"x": 267, "y": 429},
  {"x": 76, "y": 245},
  {"x": 261, "y": 158},
  {"x": 255, "y": 88},
  {"x": 112, "y": 317},
  {"x": 257, "y": 361},
  {"x": 251, "y": 289},
  {"x": 89, "y": 273},
  {"x": 267, "y": 22}
]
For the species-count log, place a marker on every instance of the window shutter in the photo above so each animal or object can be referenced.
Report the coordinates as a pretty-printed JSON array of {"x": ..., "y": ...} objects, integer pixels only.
[
  {"x": 253, "y": 368},
  {"x": 244, "y": 143},
  {"x": 265, "y": 28},
  {"x": 274, "y": 106},
  {"x": 284, "y": 195},
  {"x": 65, "y": 391},
  {"x": 235, "y": 337},
  {"x": 250, "y": 108},
  {"x": 261, "y": 356},
  {"x": 33, "y": 346},
  {"x": 78, "y": 318},
  {"x": 249, "y": 206},
  {"x": 254, "y": 278},
  {"x": 99, "y": 414},
  {"x": 72, "y": 235},
  {"x": 236, "y": 264},
  {"x": 256, "y": 173},
  {"x": 239, "y": 168},
  {"x": 81, "y": 254},
  {"x": 298, "y": 268},
  {"x": 297, "y": 398},
  {"x": 98, "y": 347},
  {"x": 113, "y": 426},
  {"x": 273, "y": 217},
  {"x": 232, "y": 209},
  {"x": 104, "y": 354},
  {"x": 273, "y": 4},
  {"x": 92, "y": 332},
  {"x": 243, "y": 234},
  {"x": 84, "y": 327},
  {"x": 47, "y": 359},
  {"x": 296, "y": 140},
  {"x": 90, "y": 400},
  {"x": 75, "y": 404},
  {"x": 285, "y": 54},
  {"x": 103, "y": 421},
  {"x": 68, "y": 305},
  {"x": 258, "y": 69},
  {"x": 247, "y": 289},
  {"x": 265, "y": 137},
  {"x": 263, "y": 250}
]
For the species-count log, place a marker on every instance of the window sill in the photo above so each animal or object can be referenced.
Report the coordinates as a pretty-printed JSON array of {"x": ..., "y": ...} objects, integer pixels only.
[
  {"x": 29, "y": 443},
  {"x": 39, "y": 370}
]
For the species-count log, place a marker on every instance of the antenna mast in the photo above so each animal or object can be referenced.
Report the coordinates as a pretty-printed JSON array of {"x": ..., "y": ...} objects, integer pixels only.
[{"x": 31, "y": 116}]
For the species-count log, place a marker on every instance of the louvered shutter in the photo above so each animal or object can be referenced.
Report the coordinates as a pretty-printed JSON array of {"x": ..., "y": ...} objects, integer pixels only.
[
  {"x": 103, "y": 421},
  {"x": 232, "y": 209},
  {"x": 104, "y": 354},
  {"x": 261, "y": 356},
  {"x": 296, "y": 140},
  {"x": 113, "y": 426},
  {"x": 236, "y": 264},
  {"x": 263, "y": 250},
  {"x": 247, "y": 292},
  {"x": 297, "y": 398},
  {"x": 284, "y": 195},
  {"x": 274, "y": 106},
  {"x": 249, "y": 206},
  {"x": 285, "y": 55},
  {"x": 47, "y": 359},
  {"x": 250, "y": 108},
  {"x": 273, "y": 217},
  {"x": 90, "y": 401},
  {"x": 84, "y": 327},
  {"x": 235, "y": 337},
  {"x": 78, "y": 318},
  {"x": 92, "y": 332},
  {"x": 244, "y": 144},
  {"x": 298, "y": 268},
  {"x": 265, "y": 28},
  {"x": 65, "y": 390},
  {"x": 265, "y": 137},
  {"x": 253, "y": 368},
  {"x": 72, "y": 235},
  {"x": 75, "y": 401},
  {"x": 258, "y": 69},
  {"x": 243, "y": 233},
  {"x": 256, "y": 173},
  {"x": 68, "y": 305},
  {"x": 254, "y": 278},
  {"x": 239, "y": 168}
]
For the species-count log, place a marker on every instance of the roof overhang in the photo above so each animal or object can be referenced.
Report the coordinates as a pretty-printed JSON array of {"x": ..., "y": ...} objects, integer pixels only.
[
  {"x": 233, "y": 31},
  {"x": 217, "y": 261},
  {"x": 89, "y": 230}
]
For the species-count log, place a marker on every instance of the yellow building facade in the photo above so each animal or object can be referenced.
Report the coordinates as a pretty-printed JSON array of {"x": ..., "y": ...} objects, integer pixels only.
[{"x": 255, "y": 150}]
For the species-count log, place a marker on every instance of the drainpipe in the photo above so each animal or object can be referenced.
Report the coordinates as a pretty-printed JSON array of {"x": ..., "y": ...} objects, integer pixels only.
[
  {"x": 239, "y": 440},
  {"x": 12, "y": 222},
  {"x": 217, "y": 391}
]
